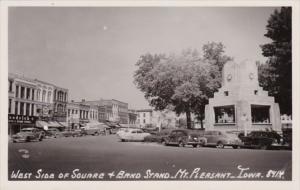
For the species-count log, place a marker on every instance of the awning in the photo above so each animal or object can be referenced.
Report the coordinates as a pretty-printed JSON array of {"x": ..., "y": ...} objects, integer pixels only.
[
  {"x": 41, "y": 124},
  {"x": 97, "y": 124},
  {"x": 63, "y": 124},
  {"x": 54, "y": 124}
]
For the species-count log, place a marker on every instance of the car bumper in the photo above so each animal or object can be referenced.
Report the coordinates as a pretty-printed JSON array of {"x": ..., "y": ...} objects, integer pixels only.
[
  {"x": 193, "y": 143},
  {"x": 19, "y": 139},
  {"x": 234, "y": 144}
]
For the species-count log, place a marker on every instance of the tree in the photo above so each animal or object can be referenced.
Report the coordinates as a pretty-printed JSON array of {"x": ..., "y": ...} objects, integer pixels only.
[
  {"x": 276, "y": 75},
  {"x": 185, "y": 81},
  {"x": 213, "y": 53}
]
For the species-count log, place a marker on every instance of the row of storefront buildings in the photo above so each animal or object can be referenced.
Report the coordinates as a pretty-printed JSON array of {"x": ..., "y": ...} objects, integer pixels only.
[{"x": 34, "y": 102}]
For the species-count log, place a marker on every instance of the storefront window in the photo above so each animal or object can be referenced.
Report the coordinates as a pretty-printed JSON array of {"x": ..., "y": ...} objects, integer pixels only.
[
  {"x": 224, "y": 114},
  {"x": 260, "y": 114}
]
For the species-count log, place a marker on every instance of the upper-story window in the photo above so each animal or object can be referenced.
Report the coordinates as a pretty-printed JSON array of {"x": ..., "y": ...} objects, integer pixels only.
[
  {"x": 17, "y": 91},
  {"x": 44, "y": 96},
  {"x": 32, "y": 94},
  {"x": 10, "y": 85},
  {"x": 22, "y": 92},
  {"x": 9, "y": 106},
  {"x": 38, "y": 95},
  {"x": 49, "y": 97},
  {"x": 28, "y": 93}
]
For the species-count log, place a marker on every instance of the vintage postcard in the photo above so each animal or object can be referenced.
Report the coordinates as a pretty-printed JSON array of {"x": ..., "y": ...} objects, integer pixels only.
[{"x": 149, "y": 94}]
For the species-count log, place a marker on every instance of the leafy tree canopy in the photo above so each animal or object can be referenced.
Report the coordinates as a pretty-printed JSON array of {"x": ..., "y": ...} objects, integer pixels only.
[
  {"x": 276, "y": 75},
  {"x": 185, "y": 81}
]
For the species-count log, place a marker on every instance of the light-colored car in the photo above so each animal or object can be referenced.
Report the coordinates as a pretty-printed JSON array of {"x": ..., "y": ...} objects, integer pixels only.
[
  {"x": 220, "y": 139},
  {"x": 133, "y": 135},
  {"x": 122, "y": 130},
  {"x": 91, "y": 130},
  {"x": 28, "y": 134}
]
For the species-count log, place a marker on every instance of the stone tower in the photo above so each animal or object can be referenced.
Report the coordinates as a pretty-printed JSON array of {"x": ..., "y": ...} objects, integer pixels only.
[{"x": 239, "y": 95}]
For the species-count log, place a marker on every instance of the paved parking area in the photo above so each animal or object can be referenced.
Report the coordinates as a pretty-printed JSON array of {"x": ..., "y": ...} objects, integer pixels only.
[{"x": 107, "y": 154}]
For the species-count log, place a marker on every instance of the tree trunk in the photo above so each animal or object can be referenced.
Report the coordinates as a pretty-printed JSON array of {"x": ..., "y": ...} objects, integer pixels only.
[
  {"x": 201, "y": 122},
  {"x": 188, "y": 119}
]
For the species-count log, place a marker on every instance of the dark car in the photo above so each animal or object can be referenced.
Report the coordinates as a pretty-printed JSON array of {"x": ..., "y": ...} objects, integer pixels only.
[
  {"x": 53, "y": 132},
  {"x": 182, "y": 137},
  {"x": 29, "y": 134},
  {"x": 72, "y": 133},
  {"x": 158, "y": 136},
  {"x": 261, "y": 139}
]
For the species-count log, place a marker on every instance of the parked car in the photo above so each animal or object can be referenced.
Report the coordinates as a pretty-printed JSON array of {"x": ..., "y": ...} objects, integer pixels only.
[
  {"x": 28, "y": 134},
  {"x": 53, "y": 132},
  {"x": 150, "y": 130},
  {"x": 220, "y": 139},
  {"x": 77, "y": 133},
  {"x": 182, "y": 137},
  {"x": 67, "y": 133},
  {"x": 123, "y": 130},
  {"x": 262, "y": 139},
  {"x": 133, "y": 135},
  {"x": 158, "y": 136},
  {"x": 93, "y": 130}
]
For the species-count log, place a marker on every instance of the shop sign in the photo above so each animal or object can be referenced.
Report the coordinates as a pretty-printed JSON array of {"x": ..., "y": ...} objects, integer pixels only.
[{"x": 22, "y": 119}]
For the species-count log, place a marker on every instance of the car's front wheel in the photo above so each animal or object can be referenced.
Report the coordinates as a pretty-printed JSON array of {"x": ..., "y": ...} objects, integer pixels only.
[
  {"x": 235, "y": 147},
  {"x": 263, "y": 147},
  {"x": 181, "y": 144},
  {"x": 163, "y": 142},
  {"x": 220, "y": 145}
]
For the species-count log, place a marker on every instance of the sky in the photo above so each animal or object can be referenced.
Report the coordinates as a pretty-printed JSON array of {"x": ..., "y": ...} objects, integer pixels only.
[{"x": 92, "y": 51}]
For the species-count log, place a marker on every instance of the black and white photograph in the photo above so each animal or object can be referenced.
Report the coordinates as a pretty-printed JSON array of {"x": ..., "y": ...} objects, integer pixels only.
[{"x": 154, "y": 93}]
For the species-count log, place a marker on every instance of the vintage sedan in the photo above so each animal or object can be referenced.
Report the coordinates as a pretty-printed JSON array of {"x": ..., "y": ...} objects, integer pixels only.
[
  {"x": 53, "y": 132},
  {"x": 220, "y": 139},
  {"x": 262, "y": 140},
  {"x": 29, "y": 134},
  {"x": 159, "y": 136},
  {"x": 133, "y": 135},
  {"x": 183, "y": 137}
]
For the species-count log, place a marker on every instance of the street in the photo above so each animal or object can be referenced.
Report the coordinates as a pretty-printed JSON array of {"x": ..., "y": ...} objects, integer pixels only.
[{"x": 106, "y": 158}]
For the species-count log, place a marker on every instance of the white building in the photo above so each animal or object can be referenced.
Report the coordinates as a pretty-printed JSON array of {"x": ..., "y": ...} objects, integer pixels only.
[
  {"x": 145, "y": 117},
  {"x": 166, "y": 118},
  {"x": 44, "y": 97}
]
